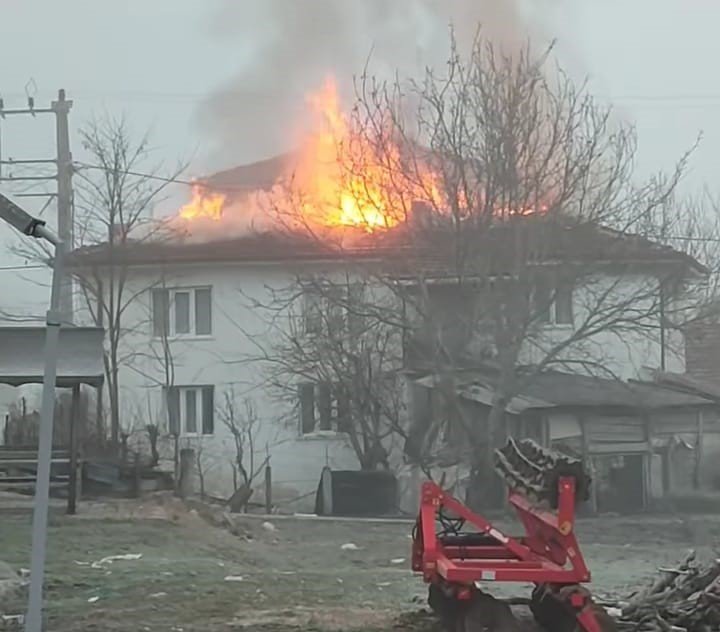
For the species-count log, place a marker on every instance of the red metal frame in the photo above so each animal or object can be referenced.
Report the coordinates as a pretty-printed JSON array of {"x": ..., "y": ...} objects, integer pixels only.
[{"x": 548, "y": 553}]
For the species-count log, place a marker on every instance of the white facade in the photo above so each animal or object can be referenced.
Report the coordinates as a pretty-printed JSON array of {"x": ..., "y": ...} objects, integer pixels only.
[
  {"x": 222, "y": 353},
  {"x": 223, "y": 359}
]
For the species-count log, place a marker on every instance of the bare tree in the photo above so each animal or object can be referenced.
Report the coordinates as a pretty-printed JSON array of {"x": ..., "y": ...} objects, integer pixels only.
[
  {"x": 240, "y": 418},
  {"x": 337, "y": 368},
  {"x": 516, "y": 229},
  {"x": 116, "y": 192}
]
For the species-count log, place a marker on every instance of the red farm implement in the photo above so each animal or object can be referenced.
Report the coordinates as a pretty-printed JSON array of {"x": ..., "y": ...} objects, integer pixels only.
[{"x": 458, "y": 551}]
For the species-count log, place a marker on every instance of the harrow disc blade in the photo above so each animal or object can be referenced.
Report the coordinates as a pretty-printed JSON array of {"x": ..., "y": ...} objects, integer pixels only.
[
  {"x": 555, "y": 614},
  {"x": 484, "y": 613},
  {"x": 535, "y": 471}
]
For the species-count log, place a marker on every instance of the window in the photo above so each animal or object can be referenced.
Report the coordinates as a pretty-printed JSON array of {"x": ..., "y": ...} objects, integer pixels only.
[
  {"x": 323, "y": 406},
  {"x": 554, "y": 306},
  {"x": 182, "y": 312},
  {"x": 312, "y": 312},
  {"x": 191, "y": 410},
  {"x": 564, "y": 304},
  {"x": 333, "y": 309}
]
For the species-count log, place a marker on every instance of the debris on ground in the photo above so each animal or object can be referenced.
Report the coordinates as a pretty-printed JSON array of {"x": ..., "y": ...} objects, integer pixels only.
[
  {"x": 685, "y": 599},
  {"x": 13, "y": 590},
  {"x": 233, "y": 578},
  {"x": 350, "y": 546},
  {"x": 105, "y": 561}
]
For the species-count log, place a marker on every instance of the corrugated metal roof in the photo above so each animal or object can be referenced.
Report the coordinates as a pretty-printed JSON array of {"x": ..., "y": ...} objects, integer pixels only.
[{"x": 555, "y": 389}]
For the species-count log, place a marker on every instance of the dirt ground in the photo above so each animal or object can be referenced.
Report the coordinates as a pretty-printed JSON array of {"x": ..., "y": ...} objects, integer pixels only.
[{"x": 182, "y": 574}]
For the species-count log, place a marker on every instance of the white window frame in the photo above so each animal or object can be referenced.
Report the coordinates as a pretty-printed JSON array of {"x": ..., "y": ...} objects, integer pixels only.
[
  {"x": 552, "y": 320},
  {"x": 335, "y": 410},
  {"x": 182, "y": 392},
  {"x": 319, "y": 312},
  {"x": 172, "y": 292},
  {"x": 553, "y": 308}
]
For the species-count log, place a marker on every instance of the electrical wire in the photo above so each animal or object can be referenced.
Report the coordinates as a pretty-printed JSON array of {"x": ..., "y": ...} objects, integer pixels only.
[
  {"x": 19, "y": 267},
  {"x": 152, "y": 176}
]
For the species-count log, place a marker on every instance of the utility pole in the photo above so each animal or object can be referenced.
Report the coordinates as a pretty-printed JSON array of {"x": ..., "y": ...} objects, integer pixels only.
[
  {"x": 65, "y": 219},
  {"x": 63, "y": 195}
]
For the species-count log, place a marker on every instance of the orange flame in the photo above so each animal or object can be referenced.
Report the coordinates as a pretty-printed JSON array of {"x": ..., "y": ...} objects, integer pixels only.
[
  {"x": 204, "y": 204},
  {"x": 344, "y": 179}
]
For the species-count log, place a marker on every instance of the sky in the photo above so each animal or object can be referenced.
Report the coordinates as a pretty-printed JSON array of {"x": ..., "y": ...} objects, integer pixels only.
[{"x": 221, "y": 82}]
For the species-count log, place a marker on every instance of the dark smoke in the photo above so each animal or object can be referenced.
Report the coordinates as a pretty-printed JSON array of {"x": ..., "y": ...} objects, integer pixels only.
[{"x": 286, "y": 48}]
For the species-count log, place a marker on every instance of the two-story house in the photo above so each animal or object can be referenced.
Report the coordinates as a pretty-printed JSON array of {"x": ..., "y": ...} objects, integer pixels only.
[{"x": 194, "y": 336}]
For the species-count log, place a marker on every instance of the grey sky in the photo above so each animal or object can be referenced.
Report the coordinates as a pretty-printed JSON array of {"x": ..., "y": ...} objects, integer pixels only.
[{"x": 189, "y": 69}]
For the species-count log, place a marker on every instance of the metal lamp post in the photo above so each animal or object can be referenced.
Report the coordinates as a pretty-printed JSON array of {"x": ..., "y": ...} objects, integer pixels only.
[{"x": 33, "y": 227}]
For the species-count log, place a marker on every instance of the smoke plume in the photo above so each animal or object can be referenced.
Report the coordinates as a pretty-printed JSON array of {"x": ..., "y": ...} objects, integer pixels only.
[{"x": 286, "y": 48}]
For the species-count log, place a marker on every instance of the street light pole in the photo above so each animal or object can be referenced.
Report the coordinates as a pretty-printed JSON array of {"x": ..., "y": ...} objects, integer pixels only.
[{"x": 33, "y": 227}]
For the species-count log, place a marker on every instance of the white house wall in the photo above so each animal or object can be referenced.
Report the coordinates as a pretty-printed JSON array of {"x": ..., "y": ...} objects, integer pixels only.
[
  {"x": 621, "y": 352},
  {"x": 222, "y": 360}
]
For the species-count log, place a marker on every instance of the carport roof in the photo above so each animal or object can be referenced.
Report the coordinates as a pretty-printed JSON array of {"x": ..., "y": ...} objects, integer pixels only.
[
  {"x": 80, "y": 356},
  {"x": 554, "y": 389}
]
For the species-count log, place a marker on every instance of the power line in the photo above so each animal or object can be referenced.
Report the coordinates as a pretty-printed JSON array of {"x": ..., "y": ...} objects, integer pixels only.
[
  {"x": 690, "y": 99},
  {"x": 19, "y": 267},
  {"x": 154, "y": 176}
]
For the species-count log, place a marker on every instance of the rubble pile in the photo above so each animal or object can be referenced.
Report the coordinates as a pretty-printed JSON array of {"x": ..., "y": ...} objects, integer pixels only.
[{"x": 682, "y": 599}]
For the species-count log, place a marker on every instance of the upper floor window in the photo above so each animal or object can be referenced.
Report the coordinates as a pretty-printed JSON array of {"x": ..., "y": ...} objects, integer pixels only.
[
  {"x": 182, "y": 312},
  {"x": 554, "y": 305},
  {"x": 333, "y": 309}
]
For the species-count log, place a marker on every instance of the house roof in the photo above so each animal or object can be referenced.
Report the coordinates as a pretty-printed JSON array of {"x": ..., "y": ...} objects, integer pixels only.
[
  {"x": 688, "y": 383},
  {"x": 258, "y": 247},
  {"x": 409, "y": 251},
  {"x": 254, "y": 176},
  {"x": 80, "y": 356},
  {"x": 555, "y": 389}
]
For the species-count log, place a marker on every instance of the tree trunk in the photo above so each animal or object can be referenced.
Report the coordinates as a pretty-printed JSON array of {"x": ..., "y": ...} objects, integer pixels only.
[
  {"x": 99, "y": 417},
  {"x": 113, "y": 393},
  {"x": 485, "y": 488}
]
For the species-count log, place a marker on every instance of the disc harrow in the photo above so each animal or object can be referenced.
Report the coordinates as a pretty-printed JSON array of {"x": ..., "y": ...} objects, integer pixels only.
[
  {"x": 459, "y": 552},
  {"x": 535, "y": 471}
]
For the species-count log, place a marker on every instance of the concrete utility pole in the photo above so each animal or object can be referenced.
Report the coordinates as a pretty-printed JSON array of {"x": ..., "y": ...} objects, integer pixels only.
[
  {"x": 61, "y": 107},
  {"x": 34, "y": 227},
  {"x": 64, "y": 193}
]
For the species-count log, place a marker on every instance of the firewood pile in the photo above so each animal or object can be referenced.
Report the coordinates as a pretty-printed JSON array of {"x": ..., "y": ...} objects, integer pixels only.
[{"x": 682, "y": 599}]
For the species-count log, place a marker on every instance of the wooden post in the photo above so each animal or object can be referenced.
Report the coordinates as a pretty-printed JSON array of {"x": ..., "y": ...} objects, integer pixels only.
[
  {"x": 268, "y": 489},
  {"x": 647, "y": 460},
  {"x": 697, "y": 474},
  {"x": 587, "y": 460},
  {"x": 136, "y": 474},
  {"x": 187, "y": 464},
  {"x": 74, "y": 431}
]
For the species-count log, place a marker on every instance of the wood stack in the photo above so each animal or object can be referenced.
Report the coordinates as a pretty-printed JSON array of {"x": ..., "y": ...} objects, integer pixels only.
[{"x": 683, "y": 599}]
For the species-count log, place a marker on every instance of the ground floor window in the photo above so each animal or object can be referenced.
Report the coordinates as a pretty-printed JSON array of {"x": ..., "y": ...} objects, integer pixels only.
[
  {"x": 323, "y": 406},
  {"x": 191, "y": 410}
]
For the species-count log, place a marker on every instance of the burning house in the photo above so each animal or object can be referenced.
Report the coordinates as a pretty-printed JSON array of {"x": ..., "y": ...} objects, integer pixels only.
[{"x": 237, "y": 347}]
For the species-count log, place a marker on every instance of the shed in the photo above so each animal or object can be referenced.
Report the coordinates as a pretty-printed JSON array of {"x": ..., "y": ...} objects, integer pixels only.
[
  {"x": 80, "y": 361},
  {"x": 627, "y": 431}
]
